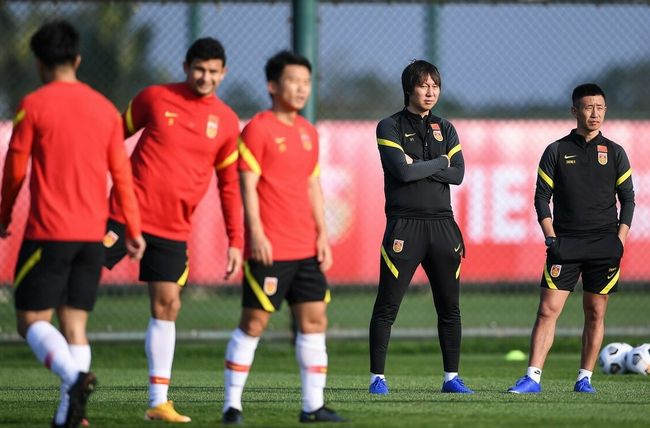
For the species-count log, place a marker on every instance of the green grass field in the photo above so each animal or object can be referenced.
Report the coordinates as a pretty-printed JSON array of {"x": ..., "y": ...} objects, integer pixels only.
[{"x": 272, "y": 398}]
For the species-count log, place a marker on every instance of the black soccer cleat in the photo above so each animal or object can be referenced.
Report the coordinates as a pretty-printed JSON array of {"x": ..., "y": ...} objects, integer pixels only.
[
  {"x": 78, "y": 394},
  {"x": 321, "y": 415},
  {"x": 232, "y": 416}
]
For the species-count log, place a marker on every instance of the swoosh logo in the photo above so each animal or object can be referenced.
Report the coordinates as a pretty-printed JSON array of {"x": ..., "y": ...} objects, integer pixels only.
[
  {"x": 611, "y": 275},
  {"x": 409, "y": 135},
  {"x": 569, "y": 156},
  {"x": 457, "y": 248}
]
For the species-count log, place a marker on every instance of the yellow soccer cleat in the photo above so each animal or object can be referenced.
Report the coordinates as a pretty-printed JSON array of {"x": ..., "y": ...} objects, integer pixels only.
[{"x": 165, "y": 412}]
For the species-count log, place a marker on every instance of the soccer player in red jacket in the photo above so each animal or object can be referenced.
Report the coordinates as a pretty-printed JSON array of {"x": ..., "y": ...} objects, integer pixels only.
[
  {"x": 287, "y": 252},
  {"x": 74, "y": 137},
  {"x": 187, "y": 134}
]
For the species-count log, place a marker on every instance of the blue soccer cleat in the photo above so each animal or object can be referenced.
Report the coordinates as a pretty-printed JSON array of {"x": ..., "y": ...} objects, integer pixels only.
[
  {"x": 583, "y": 385},
  {"x": 525, "y": 385},
  {"x": 455, "y": 386},
  {"x": 379, "y": 387}
]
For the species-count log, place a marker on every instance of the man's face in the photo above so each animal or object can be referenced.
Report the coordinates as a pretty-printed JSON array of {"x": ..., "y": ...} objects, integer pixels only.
[
  {"x": 424, "y": 96},
  {"x": 590, "y": 113},
  {"x": 204, "y": 77},
  {"x": 293, "y": 89}
]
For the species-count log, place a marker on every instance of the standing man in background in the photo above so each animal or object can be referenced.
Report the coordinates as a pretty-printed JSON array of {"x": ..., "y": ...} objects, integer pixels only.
[
  {"x": 583, "y": 172},
  {"x": 421, "y": 156},
  {"x": 74, "y": 137},
  {"x": 287, "y": 251},
  {"x": 187, "y": 134}
]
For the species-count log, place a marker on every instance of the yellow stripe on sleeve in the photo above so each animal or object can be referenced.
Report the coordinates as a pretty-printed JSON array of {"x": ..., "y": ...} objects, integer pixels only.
[
  {"x": 231, "y": 159},
  {"x": 328, "y": 296},
  {"x": 545, "y": 177},
  {"x": 453, "y": 151},
  {"x": 389, "y": 143},
  {"x": 549, "y": 280},
  {"x": 458, "y": 271},
  {"x": 611, "y": 283},
  {"x": 128, "y": 117},
  {"x": 390, "y": 264},
  {"x": 249, "y": 158},
  {"x": 316, "y": 171},
  {"x": 255, "y": 286},
  {"x": 27, "y": 266},
  {"x": 624, "y": 177},
  {"x": 19, "y": 116}
]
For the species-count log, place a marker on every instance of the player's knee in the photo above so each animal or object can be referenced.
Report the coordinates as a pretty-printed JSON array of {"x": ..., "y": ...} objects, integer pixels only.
[
  {"x": 252, "y": 326},
  {"x": 167, "y": 308}
]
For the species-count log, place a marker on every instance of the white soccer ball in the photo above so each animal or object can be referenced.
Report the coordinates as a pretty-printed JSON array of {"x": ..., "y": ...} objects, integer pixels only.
[
  {"x": 612, "y": 358},
  {"x": 638, "y": 359}
]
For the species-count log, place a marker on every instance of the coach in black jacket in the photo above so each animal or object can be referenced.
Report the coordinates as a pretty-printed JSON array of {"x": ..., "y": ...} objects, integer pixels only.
[
  {"x": 421, "y": 156},
  {"x": 583, "y": 172}
]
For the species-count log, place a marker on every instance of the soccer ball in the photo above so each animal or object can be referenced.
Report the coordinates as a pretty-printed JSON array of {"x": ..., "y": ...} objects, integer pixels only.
[
  {"x": 638, "y": 359},
  {"x": 612, "y": 358}
]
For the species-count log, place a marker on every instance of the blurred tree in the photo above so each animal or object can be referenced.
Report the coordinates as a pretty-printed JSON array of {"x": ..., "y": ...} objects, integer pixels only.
[
  {"x": 114, "y": 50},
  {"x": 628, "y": 91}
]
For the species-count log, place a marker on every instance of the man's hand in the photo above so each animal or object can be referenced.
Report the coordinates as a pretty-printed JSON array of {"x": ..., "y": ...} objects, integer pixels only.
[
  {"x": 135, "y": 247},
  {"x": 261, "y": 249},
  {"x": 324, "y": 253},
  {"x": 409, "y": 160},
  {"x": 448, "y": 160},
  {"x": 3, "y": 231},
  {"x": 233, "y": 265}
]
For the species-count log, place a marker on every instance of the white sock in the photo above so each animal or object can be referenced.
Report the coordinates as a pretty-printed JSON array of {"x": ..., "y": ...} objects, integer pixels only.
[
  {"x": 239, "y": 358},
  {"x": 159, "y": 347},
  {"x": 51, "y": 349},
  {"x": 311, "y": 354},
  {"x": 534, "y": 373},
  {"x": 582, "y": 373},
  {"x": 450, "y": 376},
  {"x": 81, "y": 356},
  {"x": 374, "y": 376}
]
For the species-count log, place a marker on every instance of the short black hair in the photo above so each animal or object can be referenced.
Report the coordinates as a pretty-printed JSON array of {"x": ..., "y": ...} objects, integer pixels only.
[
  {"x": 205, "y": 49},
  {"x": 416, "y": 73},
  {"x": 55, "y": 43},
  {"x": 276, "y": 64},
  {"x": 586, "y": 90}
]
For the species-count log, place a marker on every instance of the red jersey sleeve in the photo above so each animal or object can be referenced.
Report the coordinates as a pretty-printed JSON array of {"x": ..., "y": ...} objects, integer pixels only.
[
  {"x": 120, "y": 168},
  {"x": 15, "y": 168},
  {"x": 228, "y": 184},
  {"x": 136, "y": 115},
  {"x": 251, "y": 148}
]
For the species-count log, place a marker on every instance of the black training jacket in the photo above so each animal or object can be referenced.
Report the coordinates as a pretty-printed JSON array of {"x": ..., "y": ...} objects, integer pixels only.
[
  {"x": 421, "y": 189},
  {"x": 584, "y": 180}
]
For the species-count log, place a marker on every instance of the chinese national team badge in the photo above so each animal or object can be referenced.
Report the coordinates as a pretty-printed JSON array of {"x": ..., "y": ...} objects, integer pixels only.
[
  {"x": 398, "y": 246},
  {"x": 306, "y": 141},
  {"x": 602, "y": 154},
  {"x": 555, "y": 270},
  {"x": 110, "y": 239},
  {"x": 437, "y": 133},
  {"x": 270, "y": 285},
  {"x": 212, "y": 128}
]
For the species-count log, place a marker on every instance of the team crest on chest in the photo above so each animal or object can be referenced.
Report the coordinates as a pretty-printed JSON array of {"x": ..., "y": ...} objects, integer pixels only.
[
  {"x": 212, "y": 127},
  {"x": 437, "y": 133},
  {"x": 280, "y": 143},
  {"x": 306, "y": 140},
  {"x": 555, "y": 270},
  {"x": 602, "y": 154},
  {"x": 398, "y": 246},
  {"x": 270, "y": 285}
]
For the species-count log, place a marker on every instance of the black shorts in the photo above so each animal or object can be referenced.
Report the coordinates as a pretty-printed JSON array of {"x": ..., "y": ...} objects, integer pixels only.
[
  {"x": 163, "y": 259},
  {"x": 54, "y": 273},
  {"x": 597, "y": 258},
  {"x": 298, "y": 281}
]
